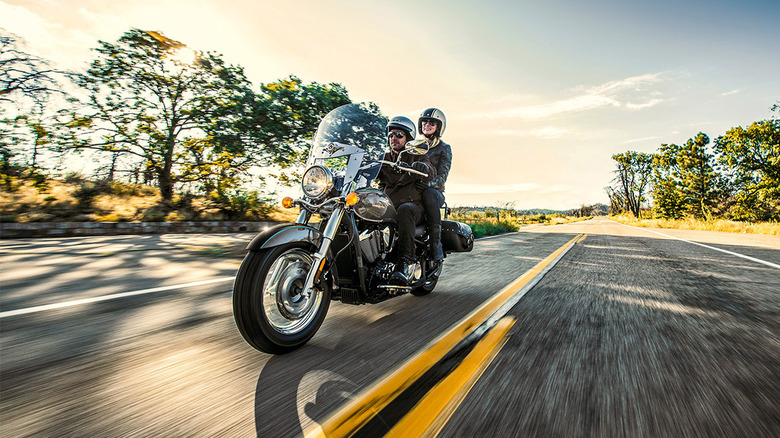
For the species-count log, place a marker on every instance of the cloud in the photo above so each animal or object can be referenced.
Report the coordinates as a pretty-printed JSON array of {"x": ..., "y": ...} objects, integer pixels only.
[
  {"x": 729, "y": 93},
  {"x": 548, "y": 133},
  {"x": 637, "y": 140},
  {"x": 632, "y": 93}
]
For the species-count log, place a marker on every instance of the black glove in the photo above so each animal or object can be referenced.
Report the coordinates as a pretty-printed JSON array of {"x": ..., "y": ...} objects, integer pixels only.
[{"x": 420, "y": 167}]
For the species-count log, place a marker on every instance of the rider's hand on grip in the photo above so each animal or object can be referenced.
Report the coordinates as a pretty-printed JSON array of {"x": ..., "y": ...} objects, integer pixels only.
[{"x": 420, "y": 167}]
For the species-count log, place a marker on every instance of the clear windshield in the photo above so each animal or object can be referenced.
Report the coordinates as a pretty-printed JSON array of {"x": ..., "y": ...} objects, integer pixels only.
[{"x": 349, "y": 141}]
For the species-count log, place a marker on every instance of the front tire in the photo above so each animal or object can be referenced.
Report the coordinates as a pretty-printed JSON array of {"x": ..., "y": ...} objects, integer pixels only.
[{"x": 270, "y": 310}]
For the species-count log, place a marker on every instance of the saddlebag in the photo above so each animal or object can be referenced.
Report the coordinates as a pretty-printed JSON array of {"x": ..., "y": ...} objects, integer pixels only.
[{"x": 456, "y": 236}]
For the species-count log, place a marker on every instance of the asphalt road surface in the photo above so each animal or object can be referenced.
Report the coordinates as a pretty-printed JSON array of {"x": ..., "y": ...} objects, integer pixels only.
[{"x": 631, "y": 333}]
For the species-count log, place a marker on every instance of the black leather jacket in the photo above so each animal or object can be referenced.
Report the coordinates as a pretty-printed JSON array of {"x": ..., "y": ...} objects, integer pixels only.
[
  {"x": 441, "y": 158},
  {"x": 401, "y": 186}
]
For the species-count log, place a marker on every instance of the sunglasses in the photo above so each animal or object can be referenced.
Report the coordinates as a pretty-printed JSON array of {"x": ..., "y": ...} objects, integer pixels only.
[
  {"x": 397, "y": 134},
  {"x": 428, "y": 122}
]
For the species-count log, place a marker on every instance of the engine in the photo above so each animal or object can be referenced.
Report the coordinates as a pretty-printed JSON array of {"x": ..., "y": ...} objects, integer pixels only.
[{"x": 374, "y": 244}]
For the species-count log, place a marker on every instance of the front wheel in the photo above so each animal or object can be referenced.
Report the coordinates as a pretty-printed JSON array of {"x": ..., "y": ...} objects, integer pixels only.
[{"x": 271, "y": 310}]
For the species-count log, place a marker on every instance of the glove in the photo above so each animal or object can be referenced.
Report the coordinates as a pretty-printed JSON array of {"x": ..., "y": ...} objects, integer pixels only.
[
  {"x": 420, "y": 167},
  {"x": 422, "y": 185}
]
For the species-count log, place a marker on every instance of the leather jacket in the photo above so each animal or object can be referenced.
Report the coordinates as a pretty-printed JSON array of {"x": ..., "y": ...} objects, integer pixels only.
[
  {"x": 441, "y": 158},
  {"x": 399, "y": 185}
]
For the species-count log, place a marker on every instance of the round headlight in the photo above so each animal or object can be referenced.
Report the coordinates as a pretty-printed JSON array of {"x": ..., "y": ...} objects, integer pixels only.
[{"x": 317, "y": 182}]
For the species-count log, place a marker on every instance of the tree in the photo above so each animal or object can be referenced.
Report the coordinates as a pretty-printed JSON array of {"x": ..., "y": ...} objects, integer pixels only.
[
  {"x": 632, "y": 177},
  {"x": 698, "y": 176},
  {"x": 23, "y": 75},
  {"x": 685, "y": 180},
  {"x": 26, "y": 85},
  {"x": 752, "y": 159},
  {"x": 146, "y": 99},
  {"x": 189, "y": 117},
  {"x": 278, "y": 126}
]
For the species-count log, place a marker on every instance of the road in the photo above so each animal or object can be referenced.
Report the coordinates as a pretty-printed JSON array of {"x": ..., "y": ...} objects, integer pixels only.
[{"x": 631, "y": 333}]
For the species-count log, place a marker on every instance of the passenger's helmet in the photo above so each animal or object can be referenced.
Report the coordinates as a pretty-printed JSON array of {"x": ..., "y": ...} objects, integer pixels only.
[
  {"x": 437, "y": 116},
  {"x": 404, "y": 124}
]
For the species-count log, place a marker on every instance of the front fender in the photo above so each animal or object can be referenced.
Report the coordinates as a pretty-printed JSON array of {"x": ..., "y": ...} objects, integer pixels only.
[{"x": 285, "y": 233}]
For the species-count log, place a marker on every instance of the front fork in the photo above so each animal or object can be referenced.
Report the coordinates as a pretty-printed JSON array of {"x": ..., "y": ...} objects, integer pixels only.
[{"x": 327, "y": 239}]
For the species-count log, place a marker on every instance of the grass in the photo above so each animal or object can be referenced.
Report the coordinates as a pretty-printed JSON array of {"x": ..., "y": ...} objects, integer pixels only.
[
  {"x": 723, "y": 225},
  {"x": 86, "y": 201},
  {"x": 483, "y": 224}
]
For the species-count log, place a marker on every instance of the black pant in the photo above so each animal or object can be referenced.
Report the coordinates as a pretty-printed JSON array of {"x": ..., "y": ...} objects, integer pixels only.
[
  {"x": 432, "y": 202},
  {"x": 409, "y": 215}
]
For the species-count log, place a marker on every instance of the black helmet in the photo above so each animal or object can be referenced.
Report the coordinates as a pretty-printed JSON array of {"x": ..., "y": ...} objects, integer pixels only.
[
  {"x": 436, "y": 115},
  {"x": 404, "y": 124}
]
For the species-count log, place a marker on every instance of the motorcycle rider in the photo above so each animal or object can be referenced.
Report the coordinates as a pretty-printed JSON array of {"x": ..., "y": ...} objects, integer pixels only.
[
  {"x": 402, "y": 189},
  {"x": 432, "y": 123}
]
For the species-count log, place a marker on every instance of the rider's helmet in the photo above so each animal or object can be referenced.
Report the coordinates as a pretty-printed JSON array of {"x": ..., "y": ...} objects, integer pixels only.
[
  {"x": 437, "y": 116},
  {"x": 404, "y": 124}
]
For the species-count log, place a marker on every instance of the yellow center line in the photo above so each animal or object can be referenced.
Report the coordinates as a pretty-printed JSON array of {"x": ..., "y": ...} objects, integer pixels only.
[
  {"x": 366, "y": 405},
  {"x": 429, "y": 416}
]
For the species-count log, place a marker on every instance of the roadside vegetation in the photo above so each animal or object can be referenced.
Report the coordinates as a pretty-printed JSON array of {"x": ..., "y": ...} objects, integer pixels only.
[
  {"x": 79, "y": 199},
  {"x": 690, "y": 223},
  {"x": 490, "y": 221},
  {"x": 730, "y": 184},
  {"x": 153, "y": 117}
]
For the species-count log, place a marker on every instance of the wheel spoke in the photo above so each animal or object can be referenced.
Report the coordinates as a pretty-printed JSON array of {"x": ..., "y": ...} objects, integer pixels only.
[{"x": 287, "y": 309}]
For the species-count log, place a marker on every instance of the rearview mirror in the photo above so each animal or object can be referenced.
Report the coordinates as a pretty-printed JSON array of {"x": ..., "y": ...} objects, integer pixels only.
[{"x": 416, "y": 147}]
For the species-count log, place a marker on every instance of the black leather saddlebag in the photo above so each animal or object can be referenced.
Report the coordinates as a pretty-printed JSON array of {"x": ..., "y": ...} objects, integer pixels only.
[{"x": 456, "y": 236}]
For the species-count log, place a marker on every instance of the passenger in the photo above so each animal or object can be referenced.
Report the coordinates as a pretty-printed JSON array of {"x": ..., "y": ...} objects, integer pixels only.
[{"x": 432, "y": 124}]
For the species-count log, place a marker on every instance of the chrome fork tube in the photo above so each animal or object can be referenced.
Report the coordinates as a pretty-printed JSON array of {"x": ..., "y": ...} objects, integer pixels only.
[
  {"x": 327, "y": 239},
  {"x": 303, "y": 216}
]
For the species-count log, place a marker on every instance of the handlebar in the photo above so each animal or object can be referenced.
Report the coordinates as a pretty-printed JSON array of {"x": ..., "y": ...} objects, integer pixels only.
[{"x": 395, "y": 165}]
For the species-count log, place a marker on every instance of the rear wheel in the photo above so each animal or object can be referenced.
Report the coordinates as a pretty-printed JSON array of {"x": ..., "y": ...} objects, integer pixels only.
[
  {"x": 271, "y": 310},
  {"x": 430, "y": 281}
]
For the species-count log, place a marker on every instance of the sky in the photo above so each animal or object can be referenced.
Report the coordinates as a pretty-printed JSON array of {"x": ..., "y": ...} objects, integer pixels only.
[{"x": 538, "y": 95}]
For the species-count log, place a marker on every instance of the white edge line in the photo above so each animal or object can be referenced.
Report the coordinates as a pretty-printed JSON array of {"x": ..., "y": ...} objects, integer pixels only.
[
  {"x": 776, "y": 266},
  {"x": 45, "y": 307}
]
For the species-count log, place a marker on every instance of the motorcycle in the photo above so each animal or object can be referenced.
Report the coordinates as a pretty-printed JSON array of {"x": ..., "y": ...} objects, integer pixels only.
[{"x": 293, "y": 271}]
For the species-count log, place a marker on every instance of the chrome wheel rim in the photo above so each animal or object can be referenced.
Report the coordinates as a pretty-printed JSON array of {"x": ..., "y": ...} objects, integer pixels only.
[{"x": 287, "y": 309}]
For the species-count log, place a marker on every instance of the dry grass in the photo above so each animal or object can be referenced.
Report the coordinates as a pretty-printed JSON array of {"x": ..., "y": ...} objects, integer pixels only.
[
  {"x": 695, "y": 224},
  {"x": 122, "y": 203}
]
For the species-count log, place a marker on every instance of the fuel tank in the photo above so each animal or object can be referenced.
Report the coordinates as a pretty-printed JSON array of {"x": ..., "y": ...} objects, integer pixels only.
[{"x": 375, "y": 206}]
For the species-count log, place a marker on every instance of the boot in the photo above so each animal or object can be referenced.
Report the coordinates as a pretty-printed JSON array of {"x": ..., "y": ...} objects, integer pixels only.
[
  {"x": 434, "y": 233},
  {"x": 404, "y": 273}
]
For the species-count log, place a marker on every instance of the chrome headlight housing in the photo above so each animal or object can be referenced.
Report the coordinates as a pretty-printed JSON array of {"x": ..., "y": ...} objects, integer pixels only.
[{"x": 317, "y": 182}]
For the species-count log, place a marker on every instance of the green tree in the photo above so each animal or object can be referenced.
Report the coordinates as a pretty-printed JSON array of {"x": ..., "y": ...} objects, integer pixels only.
[
  {"x": 146, "y": 99},
  {"x": 192, "y": 121},
  {"x": 631, "y": 181},
  {"x": 751, "y": 157},
  {"x": 275, "y": 132},
  {"x": 668, "y": 198},
  {"x": 698, "y": 176},
  {"x": 685, "y": 180}
]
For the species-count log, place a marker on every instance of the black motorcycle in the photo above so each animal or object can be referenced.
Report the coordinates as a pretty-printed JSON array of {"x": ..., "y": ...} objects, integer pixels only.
[{"x": 291, "y": 273}]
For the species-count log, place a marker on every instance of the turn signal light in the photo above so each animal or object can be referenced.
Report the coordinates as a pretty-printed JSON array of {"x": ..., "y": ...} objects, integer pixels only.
[
  {"x": 287, "y": 202},
  {"x": 352, "y": 199}
]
